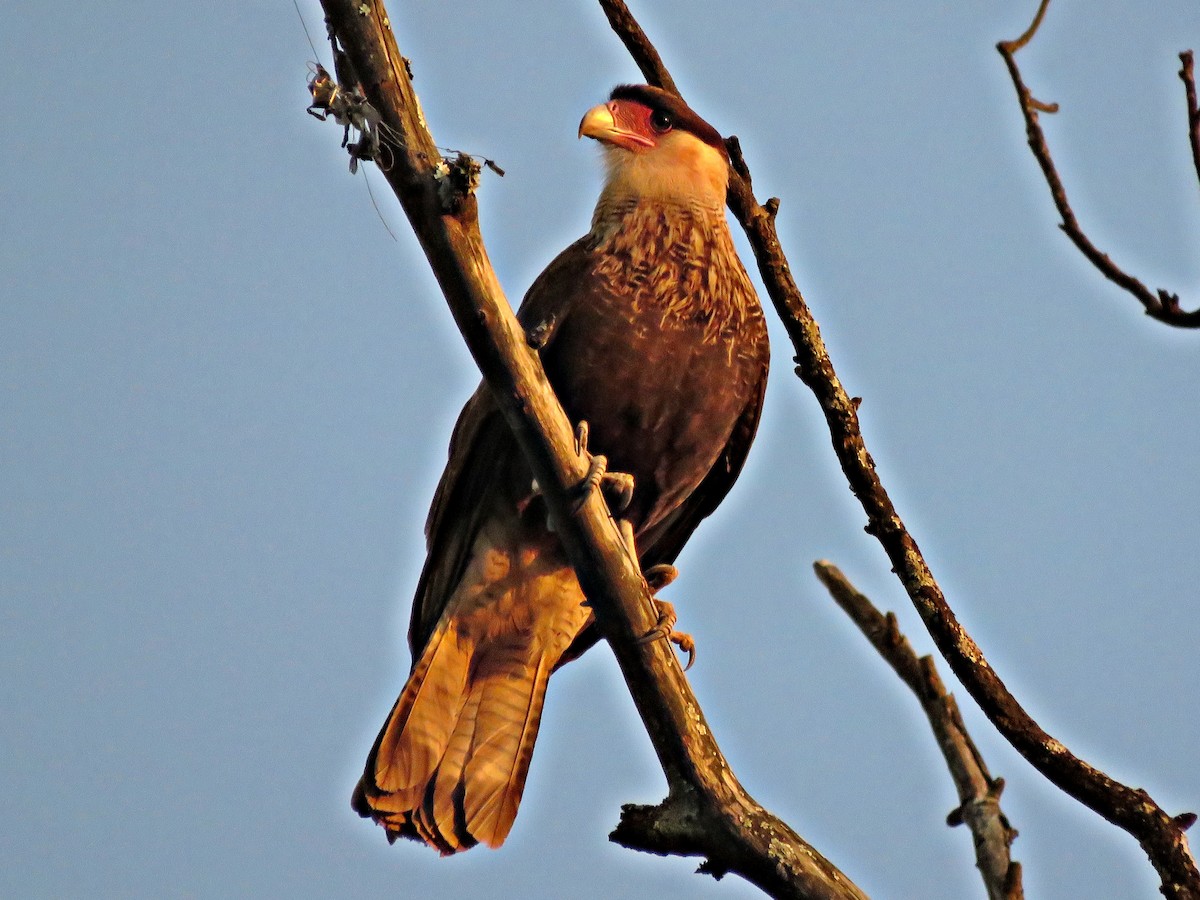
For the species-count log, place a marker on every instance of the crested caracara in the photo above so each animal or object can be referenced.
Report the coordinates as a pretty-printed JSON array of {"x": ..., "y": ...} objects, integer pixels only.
[{"x": 650, "y": 330}]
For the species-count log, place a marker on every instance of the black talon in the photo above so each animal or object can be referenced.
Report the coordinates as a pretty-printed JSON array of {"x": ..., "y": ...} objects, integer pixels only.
[
  {"x": 618, "y": 490},
  {"x": 665, "y": 628}
]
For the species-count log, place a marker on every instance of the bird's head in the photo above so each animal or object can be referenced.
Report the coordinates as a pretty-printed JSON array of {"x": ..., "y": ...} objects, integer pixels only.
[{"x": 657, "y": 148}]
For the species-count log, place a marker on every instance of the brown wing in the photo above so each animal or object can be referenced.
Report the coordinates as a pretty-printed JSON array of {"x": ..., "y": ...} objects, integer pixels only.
[
  {"x": 663, "y": 542},
  {"x": 459, "y": 508},
  {"x": 485, "y": 464}
]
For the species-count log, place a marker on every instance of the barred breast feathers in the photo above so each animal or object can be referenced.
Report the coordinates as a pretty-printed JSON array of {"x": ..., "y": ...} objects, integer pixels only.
[{"x": 677, "y": 259}]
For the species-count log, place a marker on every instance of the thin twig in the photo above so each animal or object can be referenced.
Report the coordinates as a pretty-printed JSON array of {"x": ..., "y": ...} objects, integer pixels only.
[
  {"x": 1014, "y": 46},
  {"x": 978, "y": 792},
  {"x": 1189, "y": 89},
  {"x": 707, "y": 812},
  {"x": 1163, "y": 304},
  {"x": 1161, "y": 836}
]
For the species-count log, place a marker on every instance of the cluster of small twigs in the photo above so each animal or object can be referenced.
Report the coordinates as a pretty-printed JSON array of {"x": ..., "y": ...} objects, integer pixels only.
[
  {"x": 1162, "y": 304},
  {"x": 707, "y": 812}
]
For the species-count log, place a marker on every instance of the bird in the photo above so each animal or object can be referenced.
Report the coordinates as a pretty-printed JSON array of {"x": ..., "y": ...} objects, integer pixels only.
[{"x": 650, "y": 331}]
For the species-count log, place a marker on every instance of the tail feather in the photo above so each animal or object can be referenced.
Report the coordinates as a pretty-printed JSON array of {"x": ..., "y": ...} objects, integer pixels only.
[
  {"x": 499, "y": 763},
  {"x": 440, "y": 813},
  {"x": 449, "y": 767},
  {"x": 414, "y": 738}
]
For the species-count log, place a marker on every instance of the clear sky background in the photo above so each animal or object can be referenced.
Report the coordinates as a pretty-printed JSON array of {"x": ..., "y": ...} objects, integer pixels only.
[{"x": 226, "y": 393}]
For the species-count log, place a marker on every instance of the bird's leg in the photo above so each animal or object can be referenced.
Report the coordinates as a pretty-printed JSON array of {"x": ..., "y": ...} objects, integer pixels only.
[
  {"x": 657, "y": 578},
  {"x": 616, "y": 487},
  {"x": 625, "y": 529}
]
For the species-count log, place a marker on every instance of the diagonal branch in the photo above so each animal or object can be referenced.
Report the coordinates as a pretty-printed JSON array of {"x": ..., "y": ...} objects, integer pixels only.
[
  {"x": 630, "y": 32},
  {"x": 978, "y": 792},
  {"x": 1161, "y": 836},
  {"x": 1162, "y": 304},
  {"x": 1188, "y": 76},
  {"x": 707, "y": 812}
]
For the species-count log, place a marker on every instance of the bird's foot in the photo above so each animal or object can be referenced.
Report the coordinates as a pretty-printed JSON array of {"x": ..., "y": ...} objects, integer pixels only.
[
  {"x": 658, "y": 577},
  {"x": 615, "y": 487},
  {"x": 665, "y": 628}
]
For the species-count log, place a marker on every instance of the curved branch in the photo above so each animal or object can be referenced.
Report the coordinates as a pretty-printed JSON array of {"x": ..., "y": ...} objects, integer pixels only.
[
  {"x": 1134, "y": 810},
  {"x": 707, "y": 812},
  {"x": 1161, "y": 304},
  {"x": 978, "y": 792}
]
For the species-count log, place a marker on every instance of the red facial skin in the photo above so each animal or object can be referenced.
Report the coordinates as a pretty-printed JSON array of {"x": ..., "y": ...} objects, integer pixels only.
[{"x": 631, "y": 128}]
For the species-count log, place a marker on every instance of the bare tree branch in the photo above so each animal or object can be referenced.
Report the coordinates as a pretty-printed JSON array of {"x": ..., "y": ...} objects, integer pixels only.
[
  {"x": 978, "y": 792},
  {"x": 630, "y": 32},
  {"x": 1163, "y": 304},
  {"x": 707, "y": 812},
  {"x": 1189, "y": 89},
  {"x": 1160, "y": 836}
]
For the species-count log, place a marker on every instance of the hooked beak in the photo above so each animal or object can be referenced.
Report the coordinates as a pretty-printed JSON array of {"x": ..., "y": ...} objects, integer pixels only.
[{"x": 600, "y": 123}]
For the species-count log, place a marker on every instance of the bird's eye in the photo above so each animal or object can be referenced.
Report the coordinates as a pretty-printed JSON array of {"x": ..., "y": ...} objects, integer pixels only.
[{"x": 661, "y": 122}]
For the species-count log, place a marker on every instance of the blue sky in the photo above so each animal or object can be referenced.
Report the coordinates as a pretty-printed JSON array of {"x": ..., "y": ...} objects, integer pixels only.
[{"x": 227, "y": 395}]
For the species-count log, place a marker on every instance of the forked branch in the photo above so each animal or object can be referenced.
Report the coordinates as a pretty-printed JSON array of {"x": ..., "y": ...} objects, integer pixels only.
[
  {"x": 1161, "y": 304},
  {"x": 1160, "y": 835}
]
